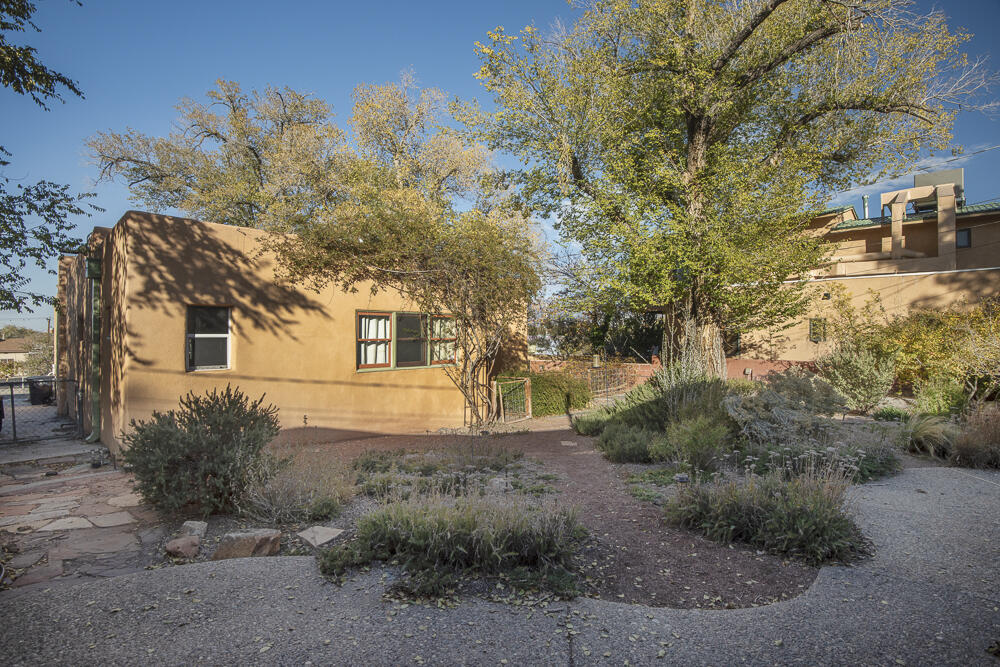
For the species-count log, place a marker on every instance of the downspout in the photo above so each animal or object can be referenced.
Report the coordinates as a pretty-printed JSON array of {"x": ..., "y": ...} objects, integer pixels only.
[{"x": 94, "y": 275}]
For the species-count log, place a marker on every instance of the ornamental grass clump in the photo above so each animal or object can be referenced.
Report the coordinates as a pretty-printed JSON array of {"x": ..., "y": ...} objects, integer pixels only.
[
  {"x": 438, "y": 538},
  {"x": 201, "y": 457},
  {"x": 802, "y": 516},
  {"x": 978, "y": 443}
]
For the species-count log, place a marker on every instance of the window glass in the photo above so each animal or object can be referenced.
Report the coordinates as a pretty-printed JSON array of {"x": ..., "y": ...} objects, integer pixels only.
[
  {"x": 207, "y": 337},
  {"x": 209, "y": 353},
  {"x": 208, "y": 320},
  {"x": 963, "y": 238},
  {"x": 442, "y": 340},
  {"x": 374, "y": 340},
  {"x": 411, "y": 340}
]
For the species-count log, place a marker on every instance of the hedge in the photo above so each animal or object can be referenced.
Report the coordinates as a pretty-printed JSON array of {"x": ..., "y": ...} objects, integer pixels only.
[{"x": 549, "y": 390}]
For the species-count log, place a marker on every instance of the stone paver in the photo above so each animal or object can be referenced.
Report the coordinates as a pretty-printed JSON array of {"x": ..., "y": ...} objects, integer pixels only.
[
  {"x": 115, "y": 519},
  {"x": 319, "y": 535},
  {"x": 68, "y": 527},
  {"x": 125, "y": 500},
  {"x": 68, "y": 523}
]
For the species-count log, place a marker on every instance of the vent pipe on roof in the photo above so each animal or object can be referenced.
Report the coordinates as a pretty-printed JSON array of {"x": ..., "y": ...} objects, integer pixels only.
[{"x": 864, "y": 206}]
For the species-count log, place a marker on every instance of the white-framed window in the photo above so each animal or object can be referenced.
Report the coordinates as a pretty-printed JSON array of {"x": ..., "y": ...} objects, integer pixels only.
[{"x": 207, "y": 342}]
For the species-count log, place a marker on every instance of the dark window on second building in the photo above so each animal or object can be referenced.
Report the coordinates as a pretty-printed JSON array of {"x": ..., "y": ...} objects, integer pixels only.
[
  {"x": 963, "y": 238},
  {"x": 207, "y": 341}
]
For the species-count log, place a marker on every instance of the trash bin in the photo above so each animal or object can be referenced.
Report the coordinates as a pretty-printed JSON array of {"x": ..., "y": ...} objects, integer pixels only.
[{"x": 40, "y": 392}]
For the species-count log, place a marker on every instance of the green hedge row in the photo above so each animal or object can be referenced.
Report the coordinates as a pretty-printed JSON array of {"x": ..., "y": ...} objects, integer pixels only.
[{"x": 549, "y": 390}]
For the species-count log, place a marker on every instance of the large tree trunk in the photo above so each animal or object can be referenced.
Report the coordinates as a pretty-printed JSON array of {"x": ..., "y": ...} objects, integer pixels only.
[{"x": 693, "y": 340}]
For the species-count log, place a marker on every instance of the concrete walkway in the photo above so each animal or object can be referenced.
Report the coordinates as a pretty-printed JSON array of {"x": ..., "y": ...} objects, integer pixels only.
[{"x": 931, "y": 596}]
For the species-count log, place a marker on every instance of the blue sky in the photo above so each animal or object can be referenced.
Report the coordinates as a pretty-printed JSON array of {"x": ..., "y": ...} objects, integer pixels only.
[{"x": 134, "y": 60}]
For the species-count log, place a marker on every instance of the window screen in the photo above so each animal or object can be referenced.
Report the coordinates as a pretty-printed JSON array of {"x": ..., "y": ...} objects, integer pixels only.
[
  {"x": 817, "y": 329},
  {"x": 411, "y": 340},
  {"x": 963, "y": 238},
  {"x": 207, "y": 337}
]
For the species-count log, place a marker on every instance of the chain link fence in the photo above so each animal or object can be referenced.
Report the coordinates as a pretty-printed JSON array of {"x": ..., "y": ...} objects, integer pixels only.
[{"x": 28, "y": 410}]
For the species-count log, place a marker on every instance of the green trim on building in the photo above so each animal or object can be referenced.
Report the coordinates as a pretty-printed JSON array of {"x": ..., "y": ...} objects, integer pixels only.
[{"x": 885, "y": 219}]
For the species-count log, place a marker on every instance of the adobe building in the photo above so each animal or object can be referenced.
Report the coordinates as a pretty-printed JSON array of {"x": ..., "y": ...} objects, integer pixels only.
[
  {"x": 159, "y": 306},
  {"x": 929, "y": 250}
]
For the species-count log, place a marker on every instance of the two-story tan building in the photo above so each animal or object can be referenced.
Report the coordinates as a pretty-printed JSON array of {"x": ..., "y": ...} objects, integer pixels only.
[
  {"x": 160, "y": 306},
  {"x": 929, "y": 250}
]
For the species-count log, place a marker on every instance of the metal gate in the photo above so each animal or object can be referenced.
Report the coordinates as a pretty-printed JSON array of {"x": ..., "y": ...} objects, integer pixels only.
[
  {"x": 610, "y": 382},
  {"x": 28, "y": 410},
  {"x": 513, "y": 397}
]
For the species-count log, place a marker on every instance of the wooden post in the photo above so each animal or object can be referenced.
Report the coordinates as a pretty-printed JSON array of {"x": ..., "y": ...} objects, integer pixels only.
[{"x": 527, "y": 396}]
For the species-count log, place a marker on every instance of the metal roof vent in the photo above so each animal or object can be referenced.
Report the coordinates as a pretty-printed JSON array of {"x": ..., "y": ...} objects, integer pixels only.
[{"x": 929, "y": 204}]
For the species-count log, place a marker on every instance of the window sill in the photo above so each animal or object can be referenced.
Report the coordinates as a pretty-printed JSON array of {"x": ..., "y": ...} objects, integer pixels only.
[
  {"x": 403, "y": 368},
  {"x": 208, "y": 370}
]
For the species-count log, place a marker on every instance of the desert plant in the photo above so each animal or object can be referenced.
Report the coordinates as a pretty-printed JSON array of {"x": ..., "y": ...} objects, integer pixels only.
[
  {"x": 890, "y": 414},
  {"x": 299, "y": 488},
  {"x": 864, "y": 374},
  {"x": 771, "y": 418},
  {"x": 201, "y": 457},
  {"x": 742, "y": 386},
  {"x": 932, "y": 435},
  {"x": 623, "y": 443},
  {"x": 696, "y": 441},
  {"x": 804, "y": 390},
  {"x": 672, "y": 394},
  {"x": 978, "y": 443},
  {"x": 802, "y": 517},
  {"x": 438, "y": 538},
  {"x": 941, "y": 395}
]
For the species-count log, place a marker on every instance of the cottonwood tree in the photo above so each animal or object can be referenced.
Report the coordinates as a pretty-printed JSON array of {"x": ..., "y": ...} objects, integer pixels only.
[
  {"x": 34, "y": 219},
  {"x": 685, "y": 144},
  {"x": 399, "y": 201}
]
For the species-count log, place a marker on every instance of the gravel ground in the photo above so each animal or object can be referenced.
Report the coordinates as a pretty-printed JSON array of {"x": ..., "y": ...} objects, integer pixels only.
[{"x": 931, "y": 595}]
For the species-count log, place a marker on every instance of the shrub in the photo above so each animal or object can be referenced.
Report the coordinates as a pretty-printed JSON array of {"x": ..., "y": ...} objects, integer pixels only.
[
  {"x": 696, "y": 441},
  {"x": 202, "y": 456},
  {"x": 978, "y": 443},
  {"x": 438, "y": 538},
  {"x": 303, "y": 488},
  {"x": 622, "y": 443},
  {"x": 864, "y": 374},
  {"x": 932, "y": 435},
  {"x": 941, "y": 395},
  {"x": 769, "y": 418},
  {"x": 804, "y": 390},
  {"x": 802, "y": 517},
  {"x": 669, "y": 396},
  {"x": 742, "y": 386},
  {"x": 549, "y": 392},
  {"x": 890, "y": 414},
  {"x": 863, "y": 461}
]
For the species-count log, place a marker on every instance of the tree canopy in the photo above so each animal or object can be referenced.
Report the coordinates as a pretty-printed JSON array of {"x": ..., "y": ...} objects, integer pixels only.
[
  {"x": 34, "y": 219},
  {"x": 399, "y": 200},
  {"x": 686, "y": 144}
]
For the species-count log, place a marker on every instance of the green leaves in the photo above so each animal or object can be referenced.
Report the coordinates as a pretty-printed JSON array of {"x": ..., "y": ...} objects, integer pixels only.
[{"x": 694, "y": 138}]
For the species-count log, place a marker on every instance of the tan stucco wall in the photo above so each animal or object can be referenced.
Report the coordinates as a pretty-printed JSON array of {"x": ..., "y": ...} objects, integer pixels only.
[
  {"x": 295, "y": 345},
  {"x": 897, "y": 293}
]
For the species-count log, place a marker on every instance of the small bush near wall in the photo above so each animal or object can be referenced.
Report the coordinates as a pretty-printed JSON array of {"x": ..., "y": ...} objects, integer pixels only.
[
  {"x": 802, "y": 517},
  {"x": 201, "y": 457},
  {"x": 864, "y": 374},
  {"x": 550, "y": 388},
  {"x": 940, "y": 396}
]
